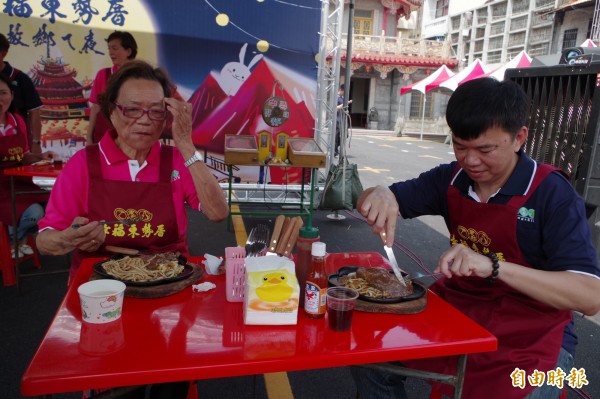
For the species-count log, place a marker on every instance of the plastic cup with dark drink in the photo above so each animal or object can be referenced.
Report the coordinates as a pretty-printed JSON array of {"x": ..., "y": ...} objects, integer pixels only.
[{"x": 340, "y": 306}]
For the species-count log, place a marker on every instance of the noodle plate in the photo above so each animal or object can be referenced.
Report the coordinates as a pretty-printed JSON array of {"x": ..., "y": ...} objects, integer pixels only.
[{"x": 135, "y": 269}]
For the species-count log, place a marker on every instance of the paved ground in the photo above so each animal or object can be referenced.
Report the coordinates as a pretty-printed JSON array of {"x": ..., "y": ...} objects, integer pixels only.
[{"x": 382, "y": 159}]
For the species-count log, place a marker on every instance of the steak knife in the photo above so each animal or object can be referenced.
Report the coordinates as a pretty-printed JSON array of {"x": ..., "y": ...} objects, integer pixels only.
[{"x": 392, "y": 259}]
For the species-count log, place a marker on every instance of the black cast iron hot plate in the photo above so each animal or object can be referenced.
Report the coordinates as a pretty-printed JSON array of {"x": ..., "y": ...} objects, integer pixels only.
[{"x": 418, "y": 289}]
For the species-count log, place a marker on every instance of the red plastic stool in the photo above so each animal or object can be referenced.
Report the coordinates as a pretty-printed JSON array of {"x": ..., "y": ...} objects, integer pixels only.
[{"x": 7, "y": 263}]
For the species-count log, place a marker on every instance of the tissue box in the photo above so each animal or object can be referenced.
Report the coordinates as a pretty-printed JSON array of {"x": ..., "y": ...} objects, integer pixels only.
[{"x": 272, "y": 292}]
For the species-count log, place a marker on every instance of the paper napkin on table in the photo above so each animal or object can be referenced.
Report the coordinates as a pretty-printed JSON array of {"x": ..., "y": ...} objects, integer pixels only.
[{"x": 211, "y": 263}]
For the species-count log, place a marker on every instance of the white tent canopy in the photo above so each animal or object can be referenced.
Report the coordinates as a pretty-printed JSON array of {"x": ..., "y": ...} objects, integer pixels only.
[
  {"x": 475, "y": 70},
  {"x": 588, "y": 43},
  {"x": 521, "y": 60},
  {"x": 441, "y": 74}
]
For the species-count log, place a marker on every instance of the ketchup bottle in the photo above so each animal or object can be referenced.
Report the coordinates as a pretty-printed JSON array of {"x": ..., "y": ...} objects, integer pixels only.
[
  {"x": 307, "y": 236},
  {"x": 316, "y": 283}
]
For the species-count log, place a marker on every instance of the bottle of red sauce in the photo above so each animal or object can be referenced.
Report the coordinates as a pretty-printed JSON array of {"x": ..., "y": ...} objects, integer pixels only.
[
  {"x": 307, "y": 236},
  {"x": 316, "y": 283}
]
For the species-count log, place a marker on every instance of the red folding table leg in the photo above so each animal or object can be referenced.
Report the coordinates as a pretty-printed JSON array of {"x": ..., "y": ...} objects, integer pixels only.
[
  {"x": 193, "y": 390},
  {"x": 7, "y": 263}
]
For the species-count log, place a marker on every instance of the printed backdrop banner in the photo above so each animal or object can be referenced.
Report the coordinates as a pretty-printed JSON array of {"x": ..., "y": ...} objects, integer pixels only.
[{"x": 226, "y": 57}]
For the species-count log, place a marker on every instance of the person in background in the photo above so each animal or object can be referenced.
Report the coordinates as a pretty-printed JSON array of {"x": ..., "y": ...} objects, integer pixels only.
[
  {"x": 521, "y": 256},
  {"x": 27, "y": 102},
  {"x": 341, "y": 113},
  {"x": 340, "y": 105},
  {"x": 14, "y": 151},
  {"x": 122, "y": 47}
]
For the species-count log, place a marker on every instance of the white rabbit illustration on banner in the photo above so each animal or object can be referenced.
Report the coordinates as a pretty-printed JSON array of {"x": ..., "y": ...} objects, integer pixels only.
[{"x": 235, "y": 73}]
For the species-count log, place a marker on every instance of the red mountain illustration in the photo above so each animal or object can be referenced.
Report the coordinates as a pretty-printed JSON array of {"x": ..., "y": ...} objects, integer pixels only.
[
  {"x": 205, "y": 99},
  {"x": 216, "y": 114}
]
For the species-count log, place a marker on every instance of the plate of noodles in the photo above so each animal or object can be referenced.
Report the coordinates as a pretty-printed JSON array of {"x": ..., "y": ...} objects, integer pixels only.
[
  {"x": 146, "y": 269},
  {"x": 375, "y": 284}
]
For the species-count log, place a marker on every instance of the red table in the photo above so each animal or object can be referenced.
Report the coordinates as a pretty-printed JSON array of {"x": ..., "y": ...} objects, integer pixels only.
[
  {"x": 191, "y": 336},
  {"x": 45, "y": 170}
]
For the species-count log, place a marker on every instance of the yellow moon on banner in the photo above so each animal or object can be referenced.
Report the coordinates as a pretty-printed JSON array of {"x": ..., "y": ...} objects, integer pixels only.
[
  {"x": 262, "y": 46},
  {"x": 222, "y": 19}
]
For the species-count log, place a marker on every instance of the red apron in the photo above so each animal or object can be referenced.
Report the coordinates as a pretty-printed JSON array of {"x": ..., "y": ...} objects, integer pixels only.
[
  {"x": 150, "y": 202},
  {"x": 12, "y": 149},
  {"x": 529, "y": 333}
]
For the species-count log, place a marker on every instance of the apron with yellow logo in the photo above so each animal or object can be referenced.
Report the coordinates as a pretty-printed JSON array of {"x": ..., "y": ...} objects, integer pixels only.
[
  {"x": 529, "y": 332},
  {"x": 150, "y": 203}
]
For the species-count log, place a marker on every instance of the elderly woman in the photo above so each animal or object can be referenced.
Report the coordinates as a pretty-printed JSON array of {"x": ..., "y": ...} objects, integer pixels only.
[
  {"x": 122, "y": 47},
  {"x": 14, "y": 151},
  {"x": 130, "y": 177}
]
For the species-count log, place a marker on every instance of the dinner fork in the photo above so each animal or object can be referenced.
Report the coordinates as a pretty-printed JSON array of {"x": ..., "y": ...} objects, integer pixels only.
[
  {"x": 262, "y": 240},
  {"x": 250, "y": 241},
  {"x": 257, "y": 240}
]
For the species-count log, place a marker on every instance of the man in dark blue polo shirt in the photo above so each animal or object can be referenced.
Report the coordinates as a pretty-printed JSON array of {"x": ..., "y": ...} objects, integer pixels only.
[
  {"x": 521, "y": 256},
  {"x": 27, "y": 101}
]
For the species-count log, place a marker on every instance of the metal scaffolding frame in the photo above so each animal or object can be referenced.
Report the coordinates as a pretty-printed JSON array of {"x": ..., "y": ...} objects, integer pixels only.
[
  {"x": 596, "y": 23},
  {"x": 328, "y": 79}
]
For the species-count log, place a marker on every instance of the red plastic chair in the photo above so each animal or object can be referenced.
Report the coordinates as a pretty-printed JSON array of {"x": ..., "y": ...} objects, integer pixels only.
[{"x": 7, "y": 263}]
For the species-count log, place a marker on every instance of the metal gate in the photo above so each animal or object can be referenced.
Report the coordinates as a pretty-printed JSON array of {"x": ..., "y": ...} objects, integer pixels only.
[{"x": 564, "y": 122}]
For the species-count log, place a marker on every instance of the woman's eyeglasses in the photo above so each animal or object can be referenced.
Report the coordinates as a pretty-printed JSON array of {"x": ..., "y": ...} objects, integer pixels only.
[{"x": 155, "y": 114}]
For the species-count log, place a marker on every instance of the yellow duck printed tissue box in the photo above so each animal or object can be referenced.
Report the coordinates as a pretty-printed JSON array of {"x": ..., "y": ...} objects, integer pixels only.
[{"x": 272, "y": 291}]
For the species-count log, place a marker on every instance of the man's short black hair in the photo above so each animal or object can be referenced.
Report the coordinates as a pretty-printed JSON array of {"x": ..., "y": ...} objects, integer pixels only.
[{"x": 483, "y": 103}]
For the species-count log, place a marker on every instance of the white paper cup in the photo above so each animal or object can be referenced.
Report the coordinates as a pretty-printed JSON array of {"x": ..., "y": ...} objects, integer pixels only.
[{"x": 101, "y": 300}]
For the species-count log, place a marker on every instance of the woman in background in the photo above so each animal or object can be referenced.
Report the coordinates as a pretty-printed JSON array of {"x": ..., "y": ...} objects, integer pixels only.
[
  {"x": 14, "y": 151},
  {"x": 122, "y": 47}
]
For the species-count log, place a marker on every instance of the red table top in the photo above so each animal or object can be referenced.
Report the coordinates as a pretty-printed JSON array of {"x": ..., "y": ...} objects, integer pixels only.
[
  {"x": 50, "y": 170},
  {"x": 191, "y": 336}
]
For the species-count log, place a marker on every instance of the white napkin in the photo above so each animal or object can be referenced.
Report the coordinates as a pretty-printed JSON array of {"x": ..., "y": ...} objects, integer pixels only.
[
  {"x": 211, "y": 263},
  {"x": 202, "y": 287}
]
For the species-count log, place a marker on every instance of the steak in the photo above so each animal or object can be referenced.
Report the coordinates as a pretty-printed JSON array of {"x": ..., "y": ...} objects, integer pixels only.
[{"x": 384, "y": 281}]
